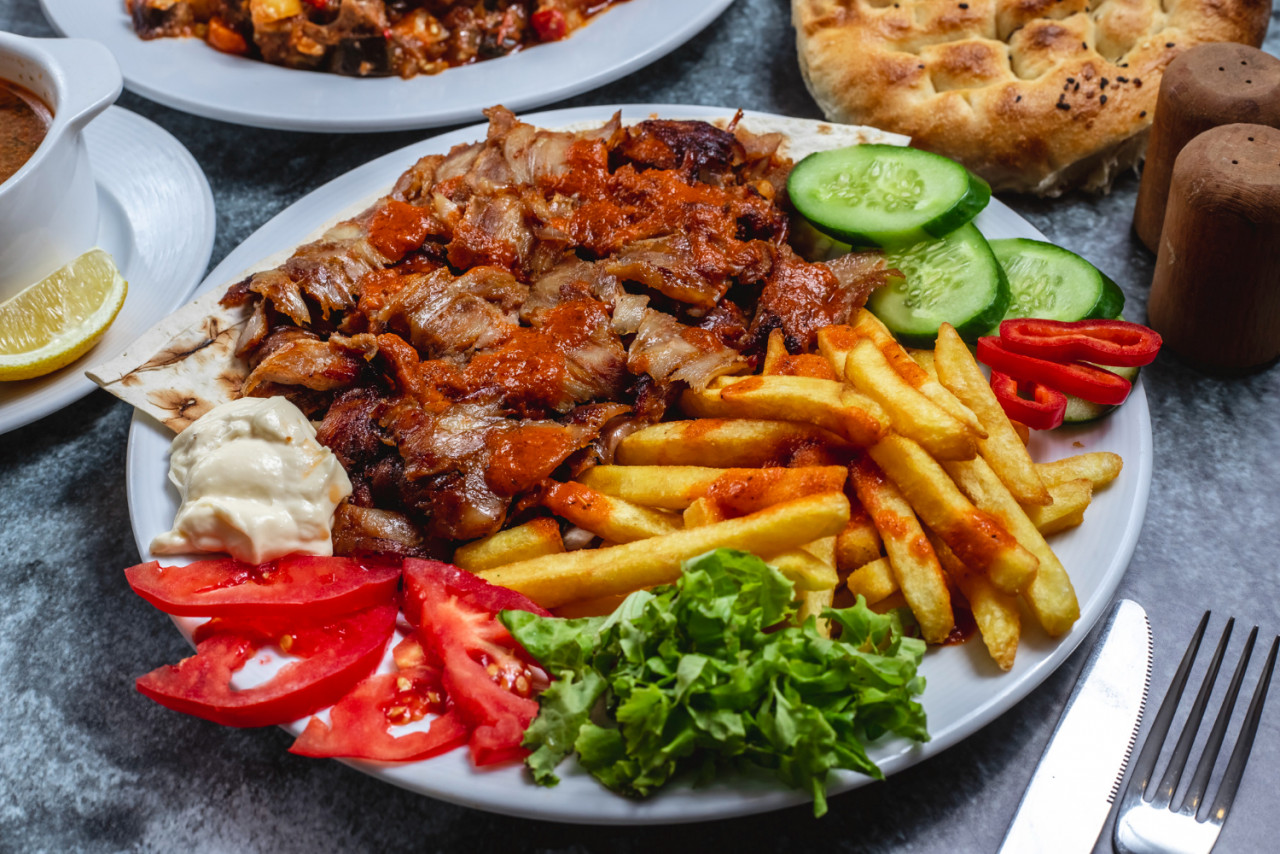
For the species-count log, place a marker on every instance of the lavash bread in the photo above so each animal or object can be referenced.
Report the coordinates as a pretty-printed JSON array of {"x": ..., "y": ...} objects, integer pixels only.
[{"x": 1037, "y": 96}]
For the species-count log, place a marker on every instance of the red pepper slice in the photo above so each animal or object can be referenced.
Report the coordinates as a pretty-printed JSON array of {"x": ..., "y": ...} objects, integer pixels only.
[
  {"x": 1044, "y": 412},
  {"x": 1105, "y": 342},
  {"x": 1086, "y": 381}
]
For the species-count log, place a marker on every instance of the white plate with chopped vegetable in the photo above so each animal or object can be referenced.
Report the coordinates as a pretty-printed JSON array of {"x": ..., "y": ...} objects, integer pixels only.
[
  {"x": 187, "y": 74},
  {"x": 965, "y": 690}
]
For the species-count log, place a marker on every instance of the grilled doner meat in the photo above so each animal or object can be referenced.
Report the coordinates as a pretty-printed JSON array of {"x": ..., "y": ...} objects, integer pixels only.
[{"x": 514, "y": 304}]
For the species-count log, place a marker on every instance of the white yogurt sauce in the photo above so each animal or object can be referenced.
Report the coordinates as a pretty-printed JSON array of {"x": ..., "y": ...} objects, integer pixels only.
[{"x": 254, "y": 483}]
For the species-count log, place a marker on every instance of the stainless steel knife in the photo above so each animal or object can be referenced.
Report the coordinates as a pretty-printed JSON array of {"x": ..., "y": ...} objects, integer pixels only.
[{"x": 1074, "y": 785}]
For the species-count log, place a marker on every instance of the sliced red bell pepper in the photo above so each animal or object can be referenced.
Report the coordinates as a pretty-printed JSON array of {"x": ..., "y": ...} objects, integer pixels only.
[
  {"x": 1043, "y": 412},
  {"x": 1104, "y": 342},
  {"x": 1085, "y": 381}
]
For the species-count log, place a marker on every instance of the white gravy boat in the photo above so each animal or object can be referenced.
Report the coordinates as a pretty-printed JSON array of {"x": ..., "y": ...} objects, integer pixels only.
[{"x": 49, "y": 207}]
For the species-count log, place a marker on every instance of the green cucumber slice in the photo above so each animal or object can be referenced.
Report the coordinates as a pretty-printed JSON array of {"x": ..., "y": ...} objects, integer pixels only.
[
  {"x": 954, "y": 279},
  {"x": 885, "y": 195},
  {"x": 1050, "y": 282},
  {"x": 1080, "y": 410}
]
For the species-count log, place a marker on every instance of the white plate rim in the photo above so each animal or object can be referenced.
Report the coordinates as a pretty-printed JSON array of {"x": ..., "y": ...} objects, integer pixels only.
[
  {"x": 162, "y": 261},
  {"x": 1120, "y": 509},
  {"x": 620, "y": 40}
]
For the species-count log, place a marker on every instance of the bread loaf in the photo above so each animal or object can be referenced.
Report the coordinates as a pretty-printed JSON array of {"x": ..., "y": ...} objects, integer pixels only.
[{"x": 1036, "y": 96}]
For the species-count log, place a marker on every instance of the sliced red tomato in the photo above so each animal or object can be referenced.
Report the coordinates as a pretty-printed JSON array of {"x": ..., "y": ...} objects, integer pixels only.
[
  {"x": 335, "y": 656},
  {"x": 488, "y": 682},
  {"x": 295, "y": 587},
  {"x": 358, "y": 723}
]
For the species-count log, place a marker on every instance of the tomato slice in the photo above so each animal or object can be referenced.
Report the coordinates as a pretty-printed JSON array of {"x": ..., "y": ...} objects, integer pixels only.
[
  {"x": 303, "y": 587},
  {"x": 488, "y": 682},
  {"x": 358, "y": 722},
  {"x": 335, "y": 656}
]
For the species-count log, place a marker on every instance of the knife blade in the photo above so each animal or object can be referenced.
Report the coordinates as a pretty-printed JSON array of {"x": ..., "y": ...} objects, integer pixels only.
[{"x": 1079, "y": 775}]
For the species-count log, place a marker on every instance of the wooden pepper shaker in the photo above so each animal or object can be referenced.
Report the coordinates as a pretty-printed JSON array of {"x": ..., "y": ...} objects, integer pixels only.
[
  {"x": 1208, "y": 85},
  {"x": 1215, "y": 296}
]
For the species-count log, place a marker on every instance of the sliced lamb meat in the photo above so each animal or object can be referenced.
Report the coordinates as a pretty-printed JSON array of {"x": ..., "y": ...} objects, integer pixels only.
[
  {"x": 443, "y": 314},
  {"x": 800, "y": 298},
  {"x": 368, "y": 530},
  {"x": 668, "y": 351},
  {"x": 305, "y": 361}
]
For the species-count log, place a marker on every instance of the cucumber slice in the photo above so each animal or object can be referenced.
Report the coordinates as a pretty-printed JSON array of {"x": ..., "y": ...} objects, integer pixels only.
[
  {"x": 1050, "y": 282},
  {"x": 1080, "y": 410},
  {"x": 954, "y": 279},
  {"x": 885, "y": 195}
]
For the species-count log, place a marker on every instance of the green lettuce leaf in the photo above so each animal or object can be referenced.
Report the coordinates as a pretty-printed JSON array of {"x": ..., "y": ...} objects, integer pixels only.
[{"x": 711, "y": 672}]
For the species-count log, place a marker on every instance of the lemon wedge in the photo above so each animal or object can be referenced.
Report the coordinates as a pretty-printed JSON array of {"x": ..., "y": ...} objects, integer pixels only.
[{"x": 52, "y": 323}]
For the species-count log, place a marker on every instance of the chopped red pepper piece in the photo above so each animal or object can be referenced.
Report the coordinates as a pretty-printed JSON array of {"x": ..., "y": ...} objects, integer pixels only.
[
  {"x": 1045, "y": 409},
  {"x": 1105, "y": 342},
  {"x": 1086, "y": 381}
]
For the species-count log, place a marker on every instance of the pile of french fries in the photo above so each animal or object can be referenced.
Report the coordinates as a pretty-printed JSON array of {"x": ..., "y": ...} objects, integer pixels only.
[{"x": 864, "y": 469}]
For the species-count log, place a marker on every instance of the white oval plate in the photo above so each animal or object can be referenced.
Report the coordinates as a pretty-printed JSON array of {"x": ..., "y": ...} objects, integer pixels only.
[
  {"x": 156, "y": 219},
  {"x": 965, "y": 690},
  {"x": 188, "y": 75}
]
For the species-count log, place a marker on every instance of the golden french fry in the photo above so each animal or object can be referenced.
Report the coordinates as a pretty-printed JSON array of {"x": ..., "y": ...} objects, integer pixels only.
[
  {"x": 532, "y": 539},
  {"x": 823, "y": 403},
  {"x": 1070, "y": 499},
  {"x": 977, "y": 539},
  {"x": 836, "y": 342},
  {"x": 775, "y": 351},
  {"x": 804, "y": 569},
  {"x": 614, "y": 519},
  {"x": 994, "y": 611},
  {"x": 825, "y": 551},
  {"x": 555, "y": 580},
  {"x": 911, "y": 413},
  {"x": 738, "y": 490},
  {"x": 808, "y": 567},
  {"x": 812, "y": 604},
  {"x": 874, "y": 581},
  {"x": 779, "y": 363},
  {"x": 1050, "y": 594},
  {"x": 890, "y": 603},
  {"x": 858, "y": 543},
  {"x": 914, "y": 563},
  {"x": 1023, "y": 431},
  {"x": 1098, "y": 467},
  {"x": 728, "y": 443},
  {"x": 601, "y": 607},
  {"x": 1002, "y": 448},
  {"x": 703, "y": 511}
]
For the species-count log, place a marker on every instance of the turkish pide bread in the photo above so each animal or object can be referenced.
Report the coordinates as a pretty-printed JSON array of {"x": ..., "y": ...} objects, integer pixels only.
[{"x": 1036, "y": 96}]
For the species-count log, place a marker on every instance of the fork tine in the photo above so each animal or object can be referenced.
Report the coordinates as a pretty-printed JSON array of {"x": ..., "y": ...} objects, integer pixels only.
[
  {"x": 1145, "y": 766},
  {"x": 1178, "y": 759},
  {"x": 1240, "y": 756},
  {"x": 1200, "y": 780}
]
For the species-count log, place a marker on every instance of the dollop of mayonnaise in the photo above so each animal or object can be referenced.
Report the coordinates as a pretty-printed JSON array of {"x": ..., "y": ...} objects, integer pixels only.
[{"x": 254, "y": 483}]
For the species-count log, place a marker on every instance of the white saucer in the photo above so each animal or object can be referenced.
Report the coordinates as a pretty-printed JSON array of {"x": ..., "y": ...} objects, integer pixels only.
[{"x": 157, "y": 222}]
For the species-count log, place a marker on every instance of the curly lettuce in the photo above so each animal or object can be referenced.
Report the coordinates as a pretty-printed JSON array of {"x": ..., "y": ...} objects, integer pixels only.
[{"x": 712, "y": 672}]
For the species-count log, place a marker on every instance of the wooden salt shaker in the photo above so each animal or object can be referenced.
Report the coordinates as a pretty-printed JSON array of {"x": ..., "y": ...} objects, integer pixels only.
[
  {"x": 1207, "y": 86},
  {"x": 1215, "y": 296}
]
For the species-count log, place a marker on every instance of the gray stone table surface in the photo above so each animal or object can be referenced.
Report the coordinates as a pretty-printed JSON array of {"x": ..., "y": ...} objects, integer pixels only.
[{"x": 88, "y": 764}]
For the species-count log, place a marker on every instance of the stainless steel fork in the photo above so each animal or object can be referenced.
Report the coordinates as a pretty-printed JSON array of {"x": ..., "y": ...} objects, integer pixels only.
[{"x": 1155, "y": 824}]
